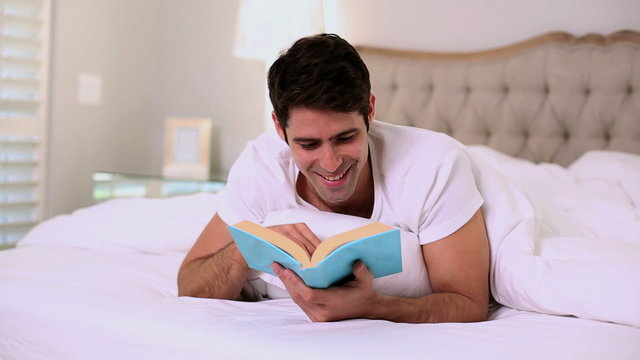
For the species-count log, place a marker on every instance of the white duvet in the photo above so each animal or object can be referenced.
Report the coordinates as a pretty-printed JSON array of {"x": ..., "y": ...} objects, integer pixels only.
[
  {"x": 564, "y": 241},
  {"x": 101, "y": 282}
]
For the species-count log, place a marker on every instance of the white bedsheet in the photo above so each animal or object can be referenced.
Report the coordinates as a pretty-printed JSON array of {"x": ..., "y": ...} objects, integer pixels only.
[
  {"x": 101, "y": 283},
  {"x": 123, "y": 305}
]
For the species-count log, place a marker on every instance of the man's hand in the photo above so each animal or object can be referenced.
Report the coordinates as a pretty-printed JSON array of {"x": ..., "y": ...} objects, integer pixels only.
[
  {"x": 352, "y": 300},
  {"x": 299, "y": 233}
]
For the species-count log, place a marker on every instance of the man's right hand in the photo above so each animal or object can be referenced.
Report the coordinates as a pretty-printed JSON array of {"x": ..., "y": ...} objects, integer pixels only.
[{"x": 299, "y": 233}]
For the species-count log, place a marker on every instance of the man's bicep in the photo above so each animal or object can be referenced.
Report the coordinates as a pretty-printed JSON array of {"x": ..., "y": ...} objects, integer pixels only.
[
  {"x": 459, "y": 263},
  {"x": 213, "y": 238}
]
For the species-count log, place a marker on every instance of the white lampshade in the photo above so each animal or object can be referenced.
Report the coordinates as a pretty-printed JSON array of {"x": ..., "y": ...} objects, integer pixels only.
[{"x": 265, "y": 27}]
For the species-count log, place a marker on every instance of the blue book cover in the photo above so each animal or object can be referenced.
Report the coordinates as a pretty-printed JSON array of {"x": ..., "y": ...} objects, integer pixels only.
[{"x": 376, "y": 245}]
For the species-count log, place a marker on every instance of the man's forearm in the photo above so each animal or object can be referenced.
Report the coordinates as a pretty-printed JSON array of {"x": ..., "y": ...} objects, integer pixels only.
[
  {"x": 219, "y": 276},
  {"x": 434, "y": 308}
]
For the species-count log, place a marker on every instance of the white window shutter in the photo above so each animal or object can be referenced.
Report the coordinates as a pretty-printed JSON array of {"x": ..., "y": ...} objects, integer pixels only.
[{"x": 24, "y": 55}]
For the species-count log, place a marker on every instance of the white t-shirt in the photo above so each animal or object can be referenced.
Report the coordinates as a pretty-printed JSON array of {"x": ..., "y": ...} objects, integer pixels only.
[{"x": 423, "y": 181}]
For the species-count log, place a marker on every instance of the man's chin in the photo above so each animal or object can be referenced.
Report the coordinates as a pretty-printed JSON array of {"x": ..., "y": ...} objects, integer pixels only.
[
  {"x": 335, "y": 199},
  {"x": 333, "y": 196}
]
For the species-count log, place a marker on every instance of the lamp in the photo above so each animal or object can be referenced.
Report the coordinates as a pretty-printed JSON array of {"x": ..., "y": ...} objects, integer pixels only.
[{"x": 264, "y": 28}]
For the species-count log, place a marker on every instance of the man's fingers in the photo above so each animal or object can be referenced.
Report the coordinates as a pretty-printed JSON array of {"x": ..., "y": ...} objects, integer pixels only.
[
  {"x": 298, "y": 290},
  {"x": 285, "y": 277},
  {"x": 361, "y": 274},
  {"x": 276, "y": 268},
  {"x": 301, "y": 234},
  {"x": 308, "y": 234},
  {"x": 300, "y": 240},
  {"x": 289, "y": 278},
  {"x": 360, "y": 269}
]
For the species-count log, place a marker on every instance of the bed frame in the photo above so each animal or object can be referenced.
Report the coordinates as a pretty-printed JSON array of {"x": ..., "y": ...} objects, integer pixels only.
[{"x": 547, "y": 99}]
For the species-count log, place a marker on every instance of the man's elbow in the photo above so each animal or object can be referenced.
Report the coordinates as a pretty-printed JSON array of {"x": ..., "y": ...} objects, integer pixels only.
[
  {"x": 479, "y": 311},
  {"x": 481, "y": 314},
  {"x": 187, "y": 287},
  {"x": 183, "y": 286}
]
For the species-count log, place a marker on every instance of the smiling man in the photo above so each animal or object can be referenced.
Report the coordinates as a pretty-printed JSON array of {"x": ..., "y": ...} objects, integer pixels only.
[
  {"x": 328, "y": 154},
  {"x": 331, "y": 151}
]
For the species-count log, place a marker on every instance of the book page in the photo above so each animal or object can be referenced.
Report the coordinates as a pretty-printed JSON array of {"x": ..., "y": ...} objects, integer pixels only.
[
  {"x": 328, "y": 245},
  {"x": 277, "y": 239}
]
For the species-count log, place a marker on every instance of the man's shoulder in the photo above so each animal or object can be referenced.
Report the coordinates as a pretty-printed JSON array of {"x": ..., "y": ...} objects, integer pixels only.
[
  {"x": 267, "y": 146},
  {"x": 268, "y": 138},
  {"x": 262, "y": 155},
  {"x": 259, "y": 180},
  {"x": 397, "y": 142},
  {"x": 401, "y": 133}
]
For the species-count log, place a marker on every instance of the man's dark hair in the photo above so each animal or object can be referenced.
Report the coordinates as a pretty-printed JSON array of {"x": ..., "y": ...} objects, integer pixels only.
[{"x": 322, "y": 72}]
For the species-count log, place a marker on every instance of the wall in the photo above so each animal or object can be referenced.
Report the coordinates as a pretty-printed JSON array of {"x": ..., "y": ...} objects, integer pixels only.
[
  {"x": 462, "y": 25},
  {"x": 198, "y": 76},
  {"x": 157, "y": 58},
  {"x": 161, "y": 58},
  {"x": 116, "y": 39}
]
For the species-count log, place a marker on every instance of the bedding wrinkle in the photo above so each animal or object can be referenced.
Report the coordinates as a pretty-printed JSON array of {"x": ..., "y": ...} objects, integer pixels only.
[{"x": 561, "y": 251}]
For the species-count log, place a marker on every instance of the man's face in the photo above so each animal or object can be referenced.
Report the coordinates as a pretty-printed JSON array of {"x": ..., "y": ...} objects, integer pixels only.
[{"x": 330, "y": 149}]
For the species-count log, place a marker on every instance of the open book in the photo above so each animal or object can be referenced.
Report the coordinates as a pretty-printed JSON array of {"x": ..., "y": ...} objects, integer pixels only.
[{"x": 375, "y": 244}]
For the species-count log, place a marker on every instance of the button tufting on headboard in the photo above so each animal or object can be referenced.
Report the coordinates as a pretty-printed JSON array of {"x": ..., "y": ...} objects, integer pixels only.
[{"x": 548, "y": 99}]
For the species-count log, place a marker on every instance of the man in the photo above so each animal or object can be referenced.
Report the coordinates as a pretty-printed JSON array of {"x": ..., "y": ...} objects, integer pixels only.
[{"x": 330, "y": 155}]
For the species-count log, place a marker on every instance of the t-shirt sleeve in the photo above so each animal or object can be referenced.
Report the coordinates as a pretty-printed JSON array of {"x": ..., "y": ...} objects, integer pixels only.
[
  {"x": 257, "y": 183},
  {"x": 452, "y": 199},
  {"x": 237, "y": 198}
]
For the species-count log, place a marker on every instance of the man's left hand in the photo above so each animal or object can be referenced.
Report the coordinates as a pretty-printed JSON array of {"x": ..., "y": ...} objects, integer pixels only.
[{"x": 354, "y": 299}]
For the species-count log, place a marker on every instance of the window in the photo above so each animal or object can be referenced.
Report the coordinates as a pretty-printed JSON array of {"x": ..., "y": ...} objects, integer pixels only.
[{"x": 24, "y": 50}]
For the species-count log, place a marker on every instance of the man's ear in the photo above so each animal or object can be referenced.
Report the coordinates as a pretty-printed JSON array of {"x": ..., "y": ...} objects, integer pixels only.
[{"x": 279, "y": 129}]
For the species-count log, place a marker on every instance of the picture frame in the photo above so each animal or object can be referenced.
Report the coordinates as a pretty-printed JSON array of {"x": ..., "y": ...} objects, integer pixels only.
[{"x": 187, "y": 148}]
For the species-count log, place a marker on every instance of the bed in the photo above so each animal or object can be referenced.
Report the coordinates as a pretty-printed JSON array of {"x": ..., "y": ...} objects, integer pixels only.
[{"x": 554, "y": 123}]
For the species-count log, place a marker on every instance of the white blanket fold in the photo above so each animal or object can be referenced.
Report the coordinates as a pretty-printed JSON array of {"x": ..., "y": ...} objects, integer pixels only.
[{"x": 553, "y": 249}]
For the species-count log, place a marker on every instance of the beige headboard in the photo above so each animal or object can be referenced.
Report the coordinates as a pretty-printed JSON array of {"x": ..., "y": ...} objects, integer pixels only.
[{"x": 547, "y": 99}]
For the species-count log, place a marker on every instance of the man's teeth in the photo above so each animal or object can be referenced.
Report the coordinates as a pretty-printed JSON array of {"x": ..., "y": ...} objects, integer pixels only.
[{"x": 334, "y": 178}]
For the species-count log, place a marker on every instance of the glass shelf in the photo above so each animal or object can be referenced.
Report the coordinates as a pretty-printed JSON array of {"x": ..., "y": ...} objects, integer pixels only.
[{"x": 108, "y": 185}]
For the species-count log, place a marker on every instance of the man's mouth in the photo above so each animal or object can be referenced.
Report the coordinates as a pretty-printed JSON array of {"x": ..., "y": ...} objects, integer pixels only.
[{"x": 335, "y": 177}]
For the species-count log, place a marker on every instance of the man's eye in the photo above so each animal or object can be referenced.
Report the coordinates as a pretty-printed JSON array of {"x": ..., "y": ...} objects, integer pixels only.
[
  {"x": 308, "y": 146},
  {"x": 346, "y": 138}
]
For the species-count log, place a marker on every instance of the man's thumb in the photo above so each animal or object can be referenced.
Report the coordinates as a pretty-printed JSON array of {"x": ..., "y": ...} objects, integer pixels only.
[{"x": 360, "y": 270}]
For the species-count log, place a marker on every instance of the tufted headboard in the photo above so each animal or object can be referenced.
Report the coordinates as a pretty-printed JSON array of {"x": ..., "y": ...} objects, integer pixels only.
[{"x": 547, "y": 99}]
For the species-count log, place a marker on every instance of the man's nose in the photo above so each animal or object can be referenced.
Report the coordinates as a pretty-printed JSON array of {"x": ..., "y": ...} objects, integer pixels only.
[{"x": 330, "y": 159}]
